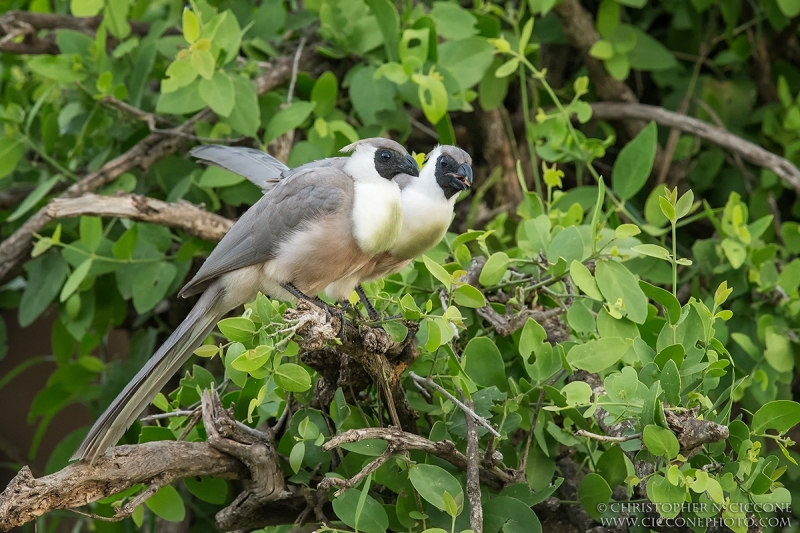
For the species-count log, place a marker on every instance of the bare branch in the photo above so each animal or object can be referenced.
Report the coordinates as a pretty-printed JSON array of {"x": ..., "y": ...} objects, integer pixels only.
[
  {"x": 27, "y": 24},
  {"x": 402, "y": 441},
  {"x": 473, "y": 472},
  {"x": 120, "y": 468},
  {"x": 607, "y": 438},
  {"x": 427, "y": 382},
  {"x": 155, "y": 146},
  {"x": 747, "y": 150},
  {"x": 182, "y": 215}
]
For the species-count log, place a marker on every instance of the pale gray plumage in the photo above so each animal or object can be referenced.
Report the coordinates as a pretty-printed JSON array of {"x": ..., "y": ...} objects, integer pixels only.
[
  {"x": 427, "y": 202},
  {"x": 313, "y": 226}
]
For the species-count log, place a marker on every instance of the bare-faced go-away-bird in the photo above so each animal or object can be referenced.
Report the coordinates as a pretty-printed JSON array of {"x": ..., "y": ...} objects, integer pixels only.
[
  {"x": 427, "y": 204},
  {"x": 310, "y": 229}
]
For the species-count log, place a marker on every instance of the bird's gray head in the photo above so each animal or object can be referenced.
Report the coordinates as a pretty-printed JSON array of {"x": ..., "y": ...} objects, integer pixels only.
[
  {"x": 388, "y": 157},
  {"x": 452, "y": 169}
]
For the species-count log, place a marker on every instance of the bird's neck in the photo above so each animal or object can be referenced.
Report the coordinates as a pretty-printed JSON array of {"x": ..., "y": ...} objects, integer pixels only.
[{"x": 426, "y": 218}]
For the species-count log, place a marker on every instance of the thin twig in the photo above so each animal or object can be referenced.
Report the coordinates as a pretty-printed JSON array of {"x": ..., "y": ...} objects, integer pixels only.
[
  {"x": 295, "y": 67},
  {"x": 423, "y": 128},
  {"x": 345, "y": 484},
  {"x": 607, "y": 438},
  {"x": 171, "y": 414},
  {"x": 432, "y": 384}
]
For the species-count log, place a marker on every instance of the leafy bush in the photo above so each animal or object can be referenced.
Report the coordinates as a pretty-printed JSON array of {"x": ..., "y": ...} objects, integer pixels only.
[{"x": 614, "y": 314}]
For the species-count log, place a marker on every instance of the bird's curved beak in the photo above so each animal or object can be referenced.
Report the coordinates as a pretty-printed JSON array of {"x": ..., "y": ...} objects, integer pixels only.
[
  {"x": 462, "y": 178},
  {"x": 409, "y": 166}
]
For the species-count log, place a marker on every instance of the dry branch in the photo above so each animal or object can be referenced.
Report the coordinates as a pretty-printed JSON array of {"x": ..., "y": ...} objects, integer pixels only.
[
  {"x": 27, "y": 24},
  {"x": 155, "y": 146},
  {"x": 747, "y": 150},
  {"x": 364, "y": 349},
  {"x": 401, "y": 441},
  {"x": 182, "y": 215},
  {"x": 120, "y": 468}
]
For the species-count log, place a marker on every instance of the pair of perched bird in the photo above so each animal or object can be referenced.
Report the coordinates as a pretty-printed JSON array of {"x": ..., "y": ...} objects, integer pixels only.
[{"x": 325, "y": 226}]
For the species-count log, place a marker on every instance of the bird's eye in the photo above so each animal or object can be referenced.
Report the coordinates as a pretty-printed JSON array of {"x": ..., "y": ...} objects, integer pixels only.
[
  {"x": 443, "y": 163},
  {"x": 385, "y": 155}
]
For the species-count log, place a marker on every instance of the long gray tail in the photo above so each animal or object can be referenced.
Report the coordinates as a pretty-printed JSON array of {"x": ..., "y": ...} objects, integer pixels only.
[
  {"x": 259, "y": 167},
  {"x": 141, "y": 390}
]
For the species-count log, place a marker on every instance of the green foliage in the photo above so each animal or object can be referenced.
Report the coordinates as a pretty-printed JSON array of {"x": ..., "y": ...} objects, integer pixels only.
[{"x": 658, "y": 304}]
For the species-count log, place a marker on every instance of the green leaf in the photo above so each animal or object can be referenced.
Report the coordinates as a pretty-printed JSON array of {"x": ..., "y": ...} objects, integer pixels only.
[
  {"x": 246, "y": 115},
  {"x": 292, "y": 378},
  {"x": 251, "y": 360},
  {"x": 602, "y": 49},
  {"x": 492, "y": 89},
  {"x": 494, "y": 269},
  {"x": 126, "y": 244},
  {"x": 594, "y": 493},
  {"x": 115, "y": 17},
  {"x": 483, "y": 363},
  {"x": 397, "y": 331},
  {"x": 612, "y": 466},
  {"x": 86, "y": 8},
  {"x": 684, "y": 205},
  {"x": 288, "y": 119},
  {"x": 671, "y": 383},
  {"x": 626, "y": 230},
  {"x": 218, "y": 93},
  {"x": 453, "y": 21},
  {"x": 371, "y": 519},
  {"x": 508, "y": 68},
  {"x": 214, "y": 176},
  {"x": 584, "y": 280},
  {"x": 779, "y": 353},
  {"x": 389, "y": 23},
  {"x": 652, "y": 250},
  {"x": 509, "y": 515},
  {"x": 209, "y": 489},
  {"x": 150, "y": 284},
  {"x": 296, "y": 456},
  {"x": 45, "y": 276},
  {"x": 661, "y": 442},
  {"x": 790, "y": 8},
  {"x": 466, "y": 59},
  {"x": 202, "y": 62},
  {"x": 326, "y": 92},
  {"x": 567, "y": 244},
  {"x": 437, "y": 271},
  {"x": 667, "y": 497},
  {"x": 649, "y": 54},
  {"x": 431, "y": 481},
  {"x": 91, "y": 232},
  {"x": 191, "y": 26},
  {"x": 735, "y": 252},
  {"x": 60, "y": 68},
  {"x": 167, "y": 504},
  {"x": 36, "y": 195},
  {"x": 780, "y": 415},
  {"x": 599, "y": 354},
  {"x": 621, "y": 290},
  {"x": 74, "y": 280},
  {"x": 634, "y": 163},
  {"x": 238, "y": 329},
  {"x": 671, "y": 305},
  {"x": 10, "y": 154},
  {"x": 666, "y": 208},
  {"x": 432, "y": 95},
  {"x": 469, "y": 296}
]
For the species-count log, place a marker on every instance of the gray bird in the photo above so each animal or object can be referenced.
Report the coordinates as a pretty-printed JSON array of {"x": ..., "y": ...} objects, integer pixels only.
[
  {"x": 313, "y": 227},
  {"x": 427, "y": 203}
]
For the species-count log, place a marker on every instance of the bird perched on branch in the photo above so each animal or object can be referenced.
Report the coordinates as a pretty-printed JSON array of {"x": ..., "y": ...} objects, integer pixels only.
[
  {"x": 427, "y": 203},
  {"x": 314, "y": 227}
]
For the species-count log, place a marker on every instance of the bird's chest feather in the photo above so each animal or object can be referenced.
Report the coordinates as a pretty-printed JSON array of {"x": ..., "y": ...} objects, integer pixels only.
[
  {"x": 377, "y": 215},
  {"x": 425, "y": 221}
]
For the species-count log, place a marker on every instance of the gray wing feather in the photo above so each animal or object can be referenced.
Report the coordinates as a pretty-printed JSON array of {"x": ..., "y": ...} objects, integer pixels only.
[
  {"x": 259, "y": 167},
  {"x": 288, "y": 207}
]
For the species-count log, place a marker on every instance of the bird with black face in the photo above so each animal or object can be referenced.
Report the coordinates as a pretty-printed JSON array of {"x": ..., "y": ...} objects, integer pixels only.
[
  {"x": 427, "y": 203},
  {"x": 313, "y": 227}
]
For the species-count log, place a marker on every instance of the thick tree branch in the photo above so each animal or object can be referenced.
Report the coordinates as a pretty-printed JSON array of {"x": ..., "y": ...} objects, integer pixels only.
[
  {"x": 182, "y": 215},
  {"x": 155, "y": 146},
  {"x": 747, "y": 150},
  {"x": 120, "y": 468}
]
